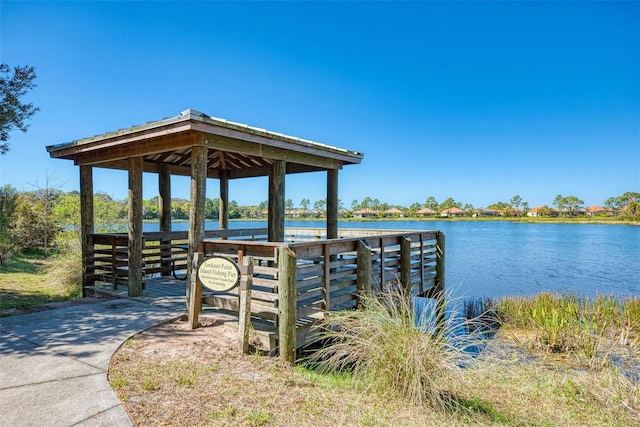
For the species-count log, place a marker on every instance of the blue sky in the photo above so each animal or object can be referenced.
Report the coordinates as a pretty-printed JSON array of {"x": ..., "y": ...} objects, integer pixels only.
[{"x": 477, "y": 101}]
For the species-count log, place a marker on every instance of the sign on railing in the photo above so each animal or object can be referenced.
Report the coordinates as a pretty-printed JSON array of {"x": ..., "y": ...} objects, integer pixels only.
[{"x": 219, "y": 274}]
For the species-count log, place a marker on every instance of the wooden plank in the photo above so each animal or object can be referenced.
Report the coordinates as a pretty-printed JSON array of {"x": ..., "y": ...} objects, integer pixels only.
[
  {"x": 364, "y": 270},
  {"x": 195, "y": 293},
  {"x": 244, "y": 311}
]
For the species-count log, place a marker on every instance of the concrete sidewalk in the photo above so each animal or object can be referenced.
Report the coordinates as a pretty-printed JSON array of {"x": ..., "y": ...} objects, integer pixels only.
[{"x": 53, "y": 364}]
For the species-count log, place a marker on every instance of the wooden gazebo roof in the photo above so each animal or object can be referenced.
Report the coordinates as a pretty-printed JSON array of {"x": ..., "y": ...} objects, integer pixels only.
[{"x": 237, "y": 149}]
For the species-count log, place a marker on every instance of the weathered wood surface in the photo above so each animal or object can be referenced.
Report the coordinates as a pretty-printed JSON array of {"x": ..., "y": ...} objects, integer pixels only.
[
  {"x": 198, "y": 196},
  {"x": 276, "y": 201},
  {"x": 86, "y": 225},
  {"x": 244, "y": 312},
  {"x": 194, "y": 289},
  {"x": 287, "y": 304},
  {"x": 135, "y": 227},
  {"x": 328, "y": 275}
]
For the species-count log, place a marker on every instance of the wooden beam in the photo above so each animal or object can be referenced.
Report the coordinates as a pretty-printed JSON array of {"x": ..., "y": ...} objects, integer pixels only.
[
  {"x": 164, "y": 210},
  {"x": 405, "y": 266},
  {"x": 135, "y": 227},
  {"x": 224, "y": 201},
  {"x": 291, "y": 144},
  {"x": 86, "y": 223},
  {"x": 244, "y": 311},
  {"x": 164, "y": 199},
  {"x": 332, "y": 204},
  {"x": 287, "y": 304},
  {"x": 251, "y": 148},
  {"x": 195, "y": 296},
  {"x": 276, "y": 202},
  {"x": 363, "y": 271},
  {"x": 196, "y": 206},
  {"x": 157, "y": 142}
]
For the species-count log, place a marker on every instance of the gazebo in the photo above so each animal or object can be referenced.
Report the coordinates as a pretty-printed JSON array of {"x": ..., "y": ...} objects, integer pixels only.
[
  {"x": 197, "y": 145},
  {"x": 287, "y": 283}
]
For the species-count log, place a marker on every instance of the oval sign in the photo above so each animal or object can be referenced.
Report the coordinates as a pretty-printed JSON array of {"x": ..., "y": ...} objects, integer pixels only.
[{"x": 219, "y": 274}]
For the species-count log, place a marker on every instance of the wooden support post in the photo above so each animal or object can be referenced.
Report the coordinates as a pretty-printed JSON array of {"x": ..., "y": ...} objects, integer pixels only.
[
  {"x": 405, "y": 266},
  {"x": 363, "y": 271},
  {"x": 287, "y": 304},
  {"x": 332, "y": 204},
  {"x": 244, "y": 311},
  {"x": 135, "y": 227},
  {"x": 86, "y": 224},
  {"x": 439, "y": 289},
  {"x": 164, "y": 211},
  {"x": 195, "y": 293},
  {"x": 276, "y": 201},
  {"x": 327, "y": 276},
  {"x": 196, "y": 206},
  {"x": 224, "y": 201}
]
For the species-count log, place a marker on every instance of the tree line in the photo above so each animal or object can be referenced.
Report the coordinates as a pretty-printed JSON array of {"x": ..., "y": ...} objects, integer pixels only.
[{"x": 38, "y": 218}]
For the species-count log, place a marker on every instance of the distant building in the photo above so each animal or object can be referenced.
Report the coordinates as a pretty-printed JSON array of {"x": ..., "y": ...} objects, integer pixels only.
[
  {"x": 364, "y": 213},
  {"x": 393, "y": 212},
  {"x": 595, "y": 211},
  {"x": 453, "y": 212},
  {"x": 426, "y": 212},
  {"x": 486, "y": 212},
  {"x": 542, "y": 211}
]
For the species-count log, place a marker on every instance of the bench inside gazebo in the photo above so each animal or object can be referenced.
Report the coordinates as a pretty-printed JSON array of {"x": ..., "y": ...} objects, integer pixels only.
[{"x": 291, "y": 277}]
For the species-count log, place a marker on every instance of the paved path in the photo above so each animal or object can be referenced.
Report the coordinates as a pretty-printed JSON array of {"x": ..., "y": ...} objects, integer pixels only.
[{"x": 53, "y": 364}]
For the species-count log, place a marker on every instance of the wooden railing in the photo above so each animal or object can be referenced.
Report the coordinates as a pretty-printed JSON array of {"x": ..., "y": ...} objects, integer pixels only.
[
  {"x": 292, "y": 283},
  {"x": 302, "y": 280},
  {"x": 163, "y": 253}
]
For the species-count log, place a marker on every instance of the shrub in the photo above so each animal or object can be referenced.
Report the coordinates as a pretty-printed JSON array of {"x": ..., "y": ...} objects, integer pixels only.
[{"x": 382, "y": 346}]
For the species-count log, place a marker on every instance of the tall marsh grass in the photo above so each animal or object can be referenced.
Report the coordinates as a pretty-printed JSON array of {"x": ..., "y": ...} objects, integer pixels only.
[
  {"x": 382, "y": 348},
  {"x": 569, "y": 323}
]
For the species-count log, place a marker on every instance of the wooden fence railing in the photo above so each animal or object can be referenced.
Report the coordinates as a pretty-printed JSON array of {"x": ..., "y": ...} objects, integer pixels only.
[
  {"x": 294, "y": 284},
  {"x": 163, "y": 253}
]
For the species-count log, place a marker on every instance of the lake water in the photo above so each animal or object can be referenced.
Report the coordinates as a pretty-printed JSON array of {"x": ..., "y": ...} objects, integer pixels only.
[{"x": 498, "y": 258}]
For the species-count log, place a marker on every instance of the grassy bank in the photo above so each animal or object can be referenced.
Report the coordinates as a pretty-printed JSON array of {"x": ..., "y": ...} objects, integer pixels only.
[
  {"x": 27, "y": 281},
  {"x": 381, "y": 371}
]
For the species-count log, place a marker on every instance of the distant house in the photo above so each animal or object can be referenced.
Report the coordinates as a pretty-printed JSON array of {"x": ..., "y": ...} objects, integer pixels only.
[
  {"x": 453, "y": 212},
  {"x": 393, "y": 212},
  {"x": 486, "y": 212},
  {"x": 595, "y": 211},
  {"x": 364, "y": 213},
  {"x": 298, "y": 213},
  {"x": 426, "y": 212},
  {"x": 542, "y": 211}
]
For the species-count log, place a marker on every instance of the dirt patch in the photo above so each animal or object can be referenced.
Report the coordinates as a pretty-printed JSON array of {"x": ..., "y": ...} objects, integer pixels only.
[{"x": 172, "y": 375}]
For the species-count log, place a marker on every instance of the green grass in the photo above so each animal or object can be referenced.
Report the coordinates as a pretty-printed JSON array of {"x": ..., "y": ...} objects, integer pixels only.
[
  {"x": 30, "y": 280},
  {"x": 589, "y": 328}
]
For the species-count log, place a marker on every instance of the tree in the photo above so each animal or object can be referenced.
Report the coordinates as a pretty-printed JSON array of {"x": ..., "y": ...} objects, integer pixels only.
[
  {"x": 560, "y": 203},
  {"x": 288, "y": 204},
  {"x": 319, "y": 207},
  {"x": 8, "y": 202},
  {"x": 431, "y": 203},
  {"x": 573, "y": 205},
  {"x": 304, "y": 204},
  {"x": 14, "y": 113},
  {"x": 516, "y": 201}
]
